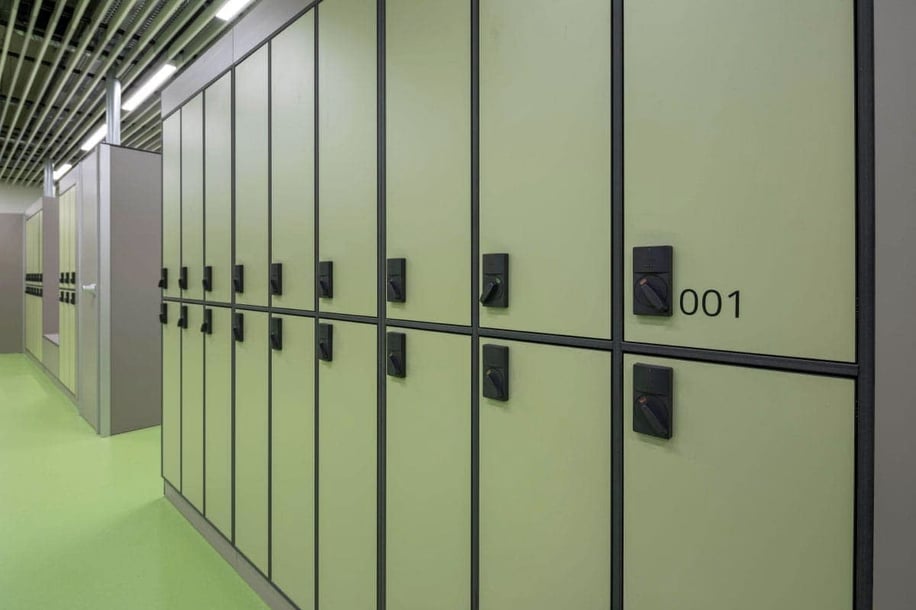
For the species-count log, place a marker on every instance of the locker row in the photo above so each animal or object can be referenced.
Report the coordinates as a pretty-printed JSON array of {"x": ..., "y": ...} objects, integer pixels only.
[{"x": 736, "y": 480}]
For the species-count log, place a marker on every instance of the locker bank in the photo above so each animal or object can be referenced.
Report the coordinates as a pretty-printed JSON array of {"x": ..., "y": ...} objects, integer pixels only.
[{"x": 458, "y": 304}]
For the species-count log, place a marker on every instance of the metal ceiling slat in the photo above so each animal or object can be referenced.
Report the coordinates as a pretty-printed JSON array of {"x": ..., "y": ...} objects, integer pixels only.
[
  {"x": 7, "y": 38},
  {"x": 36, "y": 8}
]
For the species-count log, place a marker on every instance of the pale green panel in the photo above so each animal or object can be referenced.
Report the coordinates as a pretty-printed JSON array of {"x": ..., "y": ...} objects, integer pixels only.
[
  {"x": 293, "y": 462},
  {"x": 171, "y": 205},
  {"x": 251, "y": 439},
  {"x": 192, "y": 194},
  {"x": 428, "y": 156},
  {"x": 293, "y": 161},
  {"x": 218, "y": 181},
  {"x": 251, "y": 184},
  {"x": 740, "y": 153},
  {"x": 347, "y": 469},
  {"x": 545, "y": 161},
  {"x": 750, "y": 504},
  {"x": 545, "y": 482},
  {"x": 192, "y": 409},
  {"x": 348, "y": 195},
  {"x": 218, "y": 413},
  {"x": 171, "y": 390},
  {"x": 428, "y": 475}
]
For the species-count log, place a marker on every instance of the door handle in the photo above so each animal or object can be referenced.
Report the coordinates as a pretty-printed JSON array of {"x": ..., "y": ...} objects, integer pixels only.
[
  {"x": 183, "y": 317},
  {"x": 238, "y": 327},
  {"x": 238, "y": 279},
  {"x": 495, "y": 280},
  {"x": 276, "y": 278},
  {"x": 495, "y": 381},
  {"x": 655, "y": 414},
  {"x": 653, "y": 400},
  {"x": 207, "y": 326},
  {"x": 207, "y": 280},
  {"x": 90, "y": 288},
  {"x": 163, "y": 278},
  {"x": 651, "y": 294},
  {"x": 276, "y": 333},
  {"x": 326, "y": 342},
  {"x": 496, "y": 372},
  {"x": 163, "y": 313},
  {"x": 397, "y": 280},
  {"x": 397, "y": 354},
  {"x": 652, "y": 280},
  {"x": 489, "y": 291},
  {"x": 183, "y": 278},
  {"x": 326, "y": 279}
]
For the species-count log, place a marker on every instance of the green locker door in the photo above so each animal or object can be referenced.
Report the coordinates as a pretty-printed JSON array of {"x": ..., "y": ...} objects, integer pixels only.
[
  {"x": 218, "y": 420},
  {"x": 348, "y": 190},
  {"x": 251, "y": 439},
  {"x": 545, "y": 162},
  {"x": 171, "y": 392},
  {"x": 545, "y": 482},
  {"x": 429, "y": 475},
  {"x": 218, "y": 187},
  {"x": 171, "y": 206},
  {"x": 192, "y": 408},
  {"x": 293, "y": 162},
  {"x": 740, "y": 154},
  {"x": 347, "y": 434},
  {"x": 429, "y": 156},
  {"x": 192, "y": 195},
  {"x": 251, "y": 169},
  {"x": 750, "y": 504},
  {"x": 293, "y": 460}
]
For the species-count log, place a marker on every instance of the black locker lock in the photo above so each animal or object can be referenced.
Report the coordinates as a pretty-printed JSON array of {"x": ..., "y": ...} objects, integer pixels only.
[
  {"x": 496, "y": 372},
  {"x": 183, "y": 317},
  {"x": 183, "y": 278},
  {"x": 60, "y": 299},
  {"x": 163, "y": 278},
  {"x": 397, "y": 354},
  {"x": 276, "y": 333},
  {"x": 326, "y": 342},
  {"x": 238, "y": 279},
  {"x": 41, "y": 277},
  {"x": 276, "y": 278},
  {"x": 396, "y": 286},
  {"x": 238, "y": 326},
  {"x": 207, "y": 280},
  {"x": 73, "y": 277},
  {"x": 207, "y": 326},
  {"x": 653, "y": 404},
  {"x": 73, "y": 298},
  {"x": 326, "y": 279},
  {"x": 163, "y": 313},
  {"x": 60, "y": 278},
  {"x": 495, "y": 280},
  {"x": 652, "y": 281}
]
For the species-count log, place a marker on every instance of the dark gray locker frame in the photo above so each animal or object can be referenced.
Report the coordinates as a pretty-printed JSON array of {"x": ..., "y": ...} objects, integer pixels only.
[{"x": 862, "y": 371}]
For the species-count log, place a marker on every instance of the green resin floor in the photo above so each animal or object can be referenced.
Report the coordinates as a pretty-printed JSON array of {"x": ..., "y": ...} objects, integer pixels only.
[{"x": 83, "y": 523}]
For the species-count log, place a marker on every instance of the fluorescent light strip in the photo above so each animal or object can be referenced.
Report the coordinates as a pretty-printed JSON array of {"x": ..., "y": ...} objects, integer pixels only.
[
  {"x": 149, "y": 87},
  {"x": 231, "y": 9},
  {"x": 61, "y": 171},
  {"x": 97, "y": 136}
]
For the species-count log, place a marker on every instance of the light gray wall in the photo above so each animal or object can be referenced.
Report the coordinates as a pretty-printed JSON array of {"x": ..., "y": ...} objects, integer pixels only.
[
  {"x": 15, "y": 199},
  {"x": 12, "y": 229}
]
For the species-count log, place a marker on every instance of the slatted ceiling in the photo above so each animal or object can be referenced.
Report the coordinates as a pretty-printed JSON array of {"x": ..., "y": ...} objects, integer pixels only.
[{"x": 53, "y": 60}]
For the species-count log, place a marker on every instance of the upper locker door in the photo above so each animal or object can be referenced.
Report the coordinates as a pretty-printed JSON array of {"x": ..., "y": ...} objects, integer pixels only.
[
  {"x": 750, "y": 503},
  {"x": 428, "y": 69},
  {"x": 192, "y": 198},
  {"x": 218, "y": 418},
  {"x": 249, "y": 275},
  {"x": 218, "y": 189},
  {"x": 171, "y": 205},
  {"x": 740, "y": 155},
  {"x": 292, "y": 272},
  {"x": 545, "y": 164},
  {"x": 347, "y": 142}
]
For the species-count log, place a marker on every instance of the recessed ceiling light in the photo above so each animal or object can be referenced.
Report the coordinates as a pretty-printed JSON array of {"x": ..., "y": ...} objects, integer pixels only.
[{"x": 231, "y": 8}]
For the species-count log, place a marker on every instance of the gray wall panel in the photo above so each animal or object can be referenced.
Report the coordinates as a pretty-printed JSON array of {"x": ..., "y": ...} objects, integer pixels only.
[{"x": 12, "y": 229}]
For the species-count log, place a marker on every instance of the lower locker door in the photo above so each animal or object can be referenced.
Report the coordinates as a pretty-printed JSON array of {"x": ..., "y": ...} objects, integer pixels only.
[
  {"x": 71, "y": 349},
  {"x": 750, "y": 504},
  {"x": 218, "y": 420},
  {"x": 293, "y": 461},
  {"x": 251, "y": 439},
  {"x": 192, "y": 409},
  {"x": 347, "y": 435},
  {"x": 428, "y": 476},
  {"x": 171, "y": 394},
  {"x": 545, "y": 481}
]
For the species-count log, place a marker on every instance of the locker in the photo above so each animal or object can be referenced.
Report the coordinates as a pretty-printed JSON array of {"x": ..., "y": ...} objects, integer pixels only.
[
  {"x": 293, "y": 164},
  {"x": 192, "y": 408},
  {"x": 251, "y": 439},
  {"x": 428, "y": 156},
  {"x": 744, "y": 162},
  {"x": 348, "y": 190},
  {"x": 192, "y": 196},
  {"x": 347, "y": 433},
  {"x": 293, "y": 460},
  {"x": 750, "y": 504},
  {"x": 545, "y": 162},
  {"x": 545, "y": 480},
  {"x": 171, "y": 394},
  {"x": 251, "y": 171},
  {"x": 218, "y": 420},
  {"x": 218, "y": 187},
  {"x": 171, "y": 203},
  {"x": 429, "y": 475}
]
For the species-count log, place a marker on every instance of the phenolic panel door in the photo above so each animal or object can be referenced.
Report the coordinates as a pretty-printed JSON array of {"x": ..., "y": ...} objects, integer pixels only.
[
  {"x": 218, "y": 187},
  {"x": 347, "y": 435},
  {"x": 293, "y": 163},
  {"x": 218, "y": 420},
  {"x": 251, "y": 439},
  {"x": 171, "y": 395},
  {"x": 545, "y": 162},
  {"x": 428, "y": 475},
  {"x": 348, "y": 189},
  {"x": 192, "y": 408},
  {"x": 251, "y": 181},
  {"x": 192, "y": 195},
  {"x": 171, "y": 203},
  {"x": 293, "y": 460},
  {"x": 750, "y": 503},
  {"x": 545, "y": 481},
  {"x": 740, "y": 154},
  {"x": 428, "y": 156}
]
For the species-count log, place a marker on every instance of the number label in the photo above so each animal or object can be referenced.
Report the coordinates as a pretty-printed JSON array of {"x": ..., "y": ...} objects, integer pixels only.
[{"x": 711, "y": 303}]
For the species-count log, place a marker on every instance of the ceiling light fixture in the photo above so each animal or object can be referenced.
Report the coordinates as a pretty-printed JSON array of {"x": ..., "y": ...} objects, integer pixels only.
[
  {"x": 149, "y": 87},
  {"x": 231, "y": 8},
  {"x": 97, "y": 136},
  {"x": 61, "y": 171}
]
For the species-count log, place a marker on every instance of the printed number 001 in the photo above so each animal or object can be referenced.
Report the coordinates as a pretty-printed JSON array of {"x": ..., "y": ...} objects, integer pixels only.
[{"x": 711, "y": 302}]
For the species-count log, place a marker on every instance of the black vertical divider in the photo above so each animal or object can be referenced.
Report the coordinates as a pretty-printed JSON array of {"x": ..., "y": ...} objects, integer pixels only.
[
  {"x": 270, "y": 302},
  {"x": 203, "y": 247},
  {"x": 232, "y": 291},
  {"x": 382, "y": 308},
  {"x": 315, "y": 298},
  {"x": 181, "y": 296},
  {"x": 475, "y": 311}
]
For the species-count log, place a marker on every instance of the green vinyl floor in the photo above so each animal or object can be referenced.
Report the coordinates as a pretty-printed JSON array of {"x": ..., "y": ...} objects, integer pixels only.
[{"x": 83, "y": 522}]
